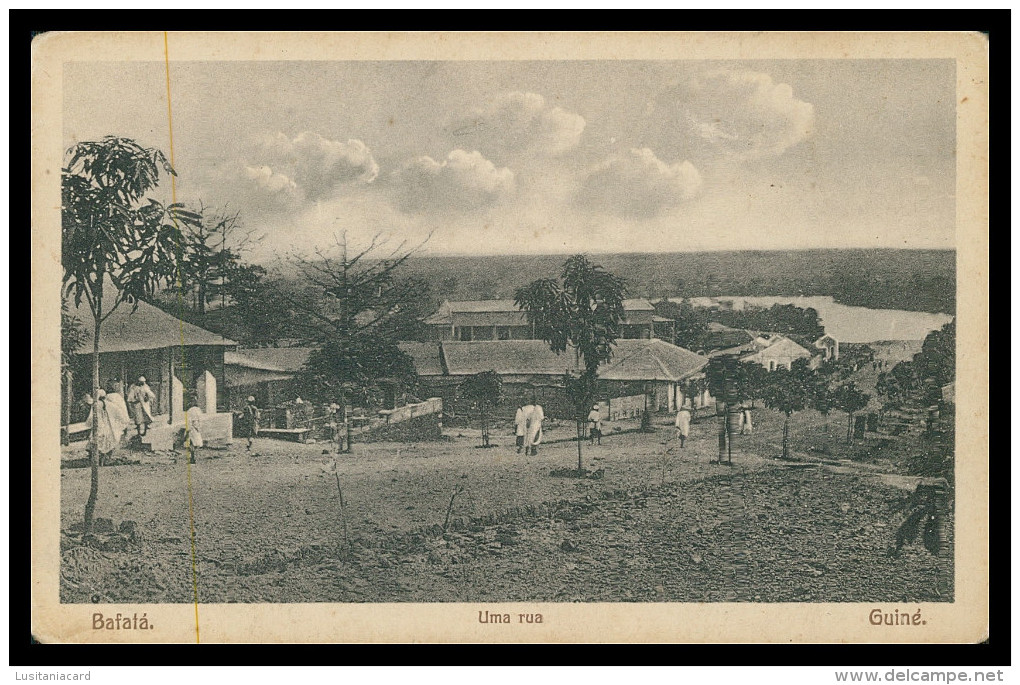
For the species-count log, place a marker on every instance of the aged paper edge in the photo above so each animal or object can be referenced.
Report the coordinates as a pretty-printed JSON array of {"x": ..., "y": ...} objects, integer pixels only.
[{"x": 963, "y": 621}]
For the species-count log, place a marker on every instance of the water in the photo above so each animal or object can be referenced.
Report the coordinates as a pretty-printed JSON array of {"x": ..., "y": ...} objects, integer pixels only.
[{"x": 846, "y": 323}]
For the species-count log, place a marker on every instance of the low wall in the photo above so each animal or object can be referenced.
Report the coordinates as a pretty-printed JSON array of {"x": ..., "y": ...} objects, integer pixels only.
[
  {"x": 417, "y": 429},
  {"x": 628, "y": 407}
]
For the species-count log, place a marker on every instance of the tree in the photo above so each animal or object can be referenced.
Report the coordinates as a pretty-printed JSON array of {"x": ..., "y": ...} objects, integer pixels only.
[
  {"x": 350, "y": 297},
  {"x": 581, "y": 310},
  {"x": 789, "y": 391},
  {"x": 690, "y": 323},
  {"x": 112, "y": 235},
  {"x": 213, "y": 250},
  {"x": 850, "y": 399},
  {"x": 485, "y": 389}
]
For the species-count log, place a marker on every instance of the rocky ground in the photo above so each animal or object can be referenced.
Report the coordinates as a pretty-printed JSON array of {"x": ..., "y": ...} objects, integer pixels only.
[{"x": 657, "y": 524}]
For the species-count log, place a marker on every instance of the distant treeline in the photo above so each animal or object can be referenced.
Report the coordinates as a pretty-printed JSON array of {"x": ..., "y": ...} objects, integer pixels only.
[{"x": 914, "y": 280}]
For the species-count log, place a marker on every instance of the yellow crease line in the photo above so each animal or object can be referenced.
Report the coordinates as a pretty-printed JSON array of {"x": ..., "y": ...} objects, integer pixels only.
[{"x": 180, "y": 304}]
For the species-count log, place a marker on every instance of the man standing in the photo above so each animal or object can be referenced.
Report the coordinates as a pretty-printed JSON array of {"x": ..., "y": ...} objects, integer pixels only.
[
  {"x": 139, "y": 401},
  {"x": 252, "y": 414},
  {"x": 683, "y": 424},
  {"x": 519, "y": 428}
]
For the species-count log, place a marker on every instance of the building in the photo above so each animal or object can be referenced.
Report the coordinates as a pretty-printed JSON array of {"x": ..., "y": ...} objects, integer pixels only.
[
  {"x": 771, "y": 350},
  {"x": 264, "y": 373},
  {"x": 829, "y": 347},
  {"x": 182, "y": 363},
  {"x": 531, "y": 372},
  {"x": 468, "y": 321},
  {"x": 658, "y": 369}
]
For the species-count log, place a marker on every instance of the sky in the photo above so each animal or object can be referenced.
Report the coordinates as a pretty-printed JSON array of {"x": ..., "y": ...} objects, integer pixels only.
[{"x": 547, "y": 156}]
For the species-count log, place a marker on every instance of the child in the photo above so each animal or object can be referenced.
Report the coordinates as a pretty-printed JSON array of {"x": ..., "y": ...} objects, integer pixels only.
[{"x": 595, "y": 425}]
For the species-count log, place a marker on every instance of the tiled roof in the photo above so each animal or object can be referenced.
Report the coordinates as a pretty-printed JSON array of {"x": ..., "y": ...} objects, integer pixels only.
[
  {"x": 508, "y": 357},
  {"x": 427, "y": 361},
  {"x": 141, "y": 327},
  {"x": 651, "y": 360},
  {"x": 283, "y": 359}
]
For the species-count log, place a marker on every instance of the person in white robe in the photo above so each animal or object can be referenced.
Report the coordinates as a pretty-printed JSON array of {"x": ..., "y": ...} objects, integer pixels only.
[
  {"x": 683, "y": 424},
  {"x": 520, "y": 428},
  {"x": 193, "y": 432},
  {"x": 139, "y": 401},
  {"x": 533, "y": 416},
  {"x": 120, "y": 419}
]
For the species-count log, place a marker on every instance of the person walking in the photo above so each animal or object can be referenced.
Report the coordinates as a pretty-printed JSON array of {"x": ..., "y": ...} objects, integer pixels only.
[
  {"x": 595, "y": 425},
  {"x": 107, "y": 439},
  {"x": 139, "y": 401},
  {"x": 520, "y": 428},
  {"x": 683, "y": 425},
  {"x": 745, "y": 421},
  {"x": 251, "y": 415},
  {"x": 533, "y": 416}
]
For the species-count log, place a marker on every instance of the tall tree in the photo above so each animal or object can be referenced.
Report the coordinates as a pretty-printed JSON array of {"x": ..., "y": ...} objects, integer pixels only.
[
  {"x": 352, "y": 295},
  {"x": 117, "y": 246},
  {"x": 790, "y": 391},
  {"x": 582, "y": 310},
  {"x": 213, "y": 249},
  {"x": 850, "y": 399}
]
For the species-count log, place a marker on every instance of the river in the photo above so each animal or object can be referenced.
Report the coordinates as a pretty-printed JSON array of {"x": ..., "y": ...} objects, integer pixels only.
[{"x": 846, "y": 323}]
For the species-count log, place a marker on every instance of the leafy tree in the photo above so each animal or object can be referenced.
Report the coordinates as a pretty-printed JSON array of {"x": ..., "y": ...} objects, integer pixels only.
[
  {"x": 349, "y": 299},
  {"x": 850, "y": 399},
  {"x": 117, "y": 246},
  {"x": 581, "y": 310},
  {"x": 790, "y": 391},
  {"x": 213, "y": 251},
  {"x": 735, "y": 381},
  {"x": 690, "y": 323},
  {"x": 485, "y": 389}
]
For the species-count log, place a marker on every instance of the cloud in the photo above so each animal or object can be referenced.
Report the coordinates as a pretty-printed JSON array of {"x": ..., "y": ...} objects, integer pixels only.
[
  {"x": 741, "y": 113},
  {"x": 518, "y": 122},
  {"x": 281, "y": 174},
  {"x": 463, "y": 181},
  {"x": 638, "y": 184}
]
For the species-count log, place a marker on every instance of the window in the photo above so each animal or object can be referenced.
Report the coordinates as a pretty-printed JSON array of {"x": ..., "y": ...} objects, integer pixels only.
[
  {"x": 772, "y": 365},
  {"x": 503, "y": 333}
]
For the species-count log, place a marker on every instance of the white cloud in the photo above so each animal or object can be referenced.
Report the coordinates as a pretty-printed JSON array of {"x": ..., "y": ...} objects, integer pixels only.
[
  {"x": 638, "y": 184},
  {"x": 516, "y": 122},
  {"x": 281, "y": 174},
  {"x": 742, "y": 113},
  {"x": 463, "y": 181}
]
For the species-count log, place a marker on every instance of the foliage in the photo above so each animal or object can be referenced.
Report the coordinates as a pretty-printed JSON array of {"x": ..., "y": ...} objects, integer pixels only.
[
  {"x": 847, "y": 397},
  {"x": 790, "y": 390},
  {"x": 213, "y": 250},
  {"x": 343, "y": 311},
  {"x": 690, "y": 323},
  {"x": 342, "y": 369},
  {"x": 735, "y": 381},
  {"x": 72, "y": 334},
  {"x": 486, "y": 390},
  {"x": 582, "y": 310},
  {"x": 787, "y": 319},
  {"x": 111, "y": 233}
]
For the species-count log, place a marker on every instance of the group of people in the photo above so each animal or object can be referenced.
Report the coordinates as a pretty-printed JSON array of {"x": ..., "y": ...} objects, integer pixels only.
[
  {"x": 113, "y": 414},
  {"x": 528, "y": 427}
]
